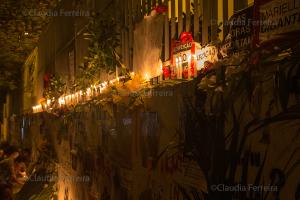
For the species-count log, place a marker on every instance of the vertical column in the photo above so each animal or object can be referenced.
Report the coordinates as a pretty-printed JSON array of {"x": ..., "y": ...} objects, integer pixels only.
[
  {"x": 153, "y": 4},
  {"x": 167, "y": 32},
  {"x": 236, "y": 5},
  {"x": 173, "y": 23},
  {"x": 180, "y": 19},
  {"x": 139, "y": 9},
  {"x": 144, "y": 8},
  {"x": 130, "y": 26},
  {"x": 225, "y": 18},
  {"x": 230, "y": 8},
  {"x": 134, "y": 11},
  {"x": 126, "y": 34},
  {"x": 206, "y": 21},
  {"x": 148, "y": 7},
  {"x": 188, "y": 15},
  {"x": 240, "y": 4},
  {"x": 214, "y": 19},
  {"x": 196, "y": 20}
]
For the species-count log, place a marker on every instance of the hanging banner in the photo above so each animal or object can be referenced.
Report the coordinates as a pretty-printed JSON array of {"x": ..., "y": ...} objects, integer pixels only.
[
  {"x": 239, "y": 38},
  {"x": 277, "y": 18},
  {"x": 148, "y": 46}
]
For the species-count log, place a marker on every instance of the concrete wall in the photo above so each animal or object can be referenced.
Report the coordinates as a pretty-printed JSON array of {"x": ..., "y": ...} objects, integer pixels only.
[
  {"x": 116, "y": 154},
  {"x": 100, "y": 154}
]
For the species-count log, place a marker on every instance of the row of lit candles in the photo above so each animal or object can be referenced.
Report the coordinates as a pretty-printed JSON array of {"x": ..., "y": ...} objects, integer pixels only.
[
  {"x": 179, "y": 68},
  {"x": 96, "y": 90},
  {"x": 77, "y": 97},
  {"x": 41, "y": 107}
]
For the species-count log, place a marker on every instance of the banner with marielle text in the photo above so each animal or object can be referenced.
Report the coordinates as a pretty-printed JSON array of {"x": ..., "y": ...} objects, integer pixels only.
[{"x": 277, "y": 19}]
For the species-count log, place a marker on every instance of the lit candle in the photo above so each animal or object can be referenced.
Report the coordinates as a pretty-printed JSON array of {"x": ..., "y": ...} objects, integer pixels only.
[
  {"x": 176, "y": 67},
  {"x": 195, "y": 65},
  {"x": 161, "y": 73},
  {"x": 88, "y": 93},
  {"x": 147, "y": 77},
  {"x": 80, "y": 97},
  {"x": 96, "y": 90},
  {"x": 39, "y": 108},
  {"x": 179, "y": 70},
  {"x": 73, "y": 98},
  {"x": 61, "y": 101},
  {"x": 189, "y": 67},
  {"x": 76, "y": 95},
  {"x": 92, "y": 93},
  {"x": 132, "y": 75}
]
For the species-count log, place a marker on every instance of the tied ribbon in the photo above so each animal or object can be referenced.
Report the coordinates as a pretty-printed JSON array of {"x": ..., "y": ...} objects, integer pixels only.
[
  {"x": 161, "y": 9},
  {"x": 166, "y": 72},
  {"x": 46, "y": 79},
  {"x": 186, "y": 37}
]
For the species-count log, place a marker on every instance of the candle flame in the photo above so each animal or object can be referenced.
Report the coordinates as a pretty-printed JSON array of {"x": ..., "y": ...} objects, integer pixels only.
[{"x": 147, "y": 77}]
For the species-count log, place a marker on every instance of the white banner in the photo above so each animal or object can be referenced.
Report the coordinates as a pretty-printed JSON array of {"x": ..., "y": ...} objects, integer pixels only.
[{"x": 278, "y": 17}]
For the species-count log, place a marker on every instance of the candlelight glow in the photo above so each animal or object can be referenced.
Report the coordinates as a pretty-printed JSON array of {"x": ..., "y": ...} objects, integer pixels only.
[
  {"x": 132, "y": 74},
  {"x": 147, "y": 77},
  {"x": 48, "y": 102},
  {"x": 77, "y": 97},
  {"x": 88, "y": 92}
]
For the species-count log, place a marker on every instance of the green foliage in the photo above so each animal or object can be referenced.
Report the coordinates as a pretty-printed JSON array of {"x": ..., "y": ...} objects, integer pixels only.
[
  {"x": 8, "y": 80},
  {"x": 15, "y": 20},
  {"x": 55, "y": 89},
  {"x": 102, "y": 57}
]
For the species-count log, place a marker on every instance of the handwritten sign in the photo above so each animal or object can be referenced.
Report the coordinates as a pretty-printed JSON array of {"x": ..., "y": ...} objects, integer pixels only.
[
  {"x": 278, "y": 17},
  {"x": 239, "y": 37},
  {"x": 208, "y": 53}
]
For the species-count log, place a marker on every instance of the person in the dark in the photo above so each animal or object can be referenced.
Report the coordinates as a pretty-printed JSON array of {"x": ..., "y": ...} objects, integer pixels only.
[
  {"x": 26, "y": 152},
  {"x": 6, "y": 192},
  {"x": 7, "y": 166},
  {"x": 3, "y": 147},
  {"x": 7, "y": 172},
  {"x": 1, "y": 154},
  {"x": 20, "y": 173}
]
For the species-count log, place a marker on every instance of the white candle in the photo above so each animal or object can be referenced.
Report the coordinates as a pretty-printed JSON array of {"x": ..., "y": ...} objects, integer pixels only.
[
  {"x": 80, "y": 97},
  {"x": 95, "y": 90},
  {"x": 88, "y": 93}
]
